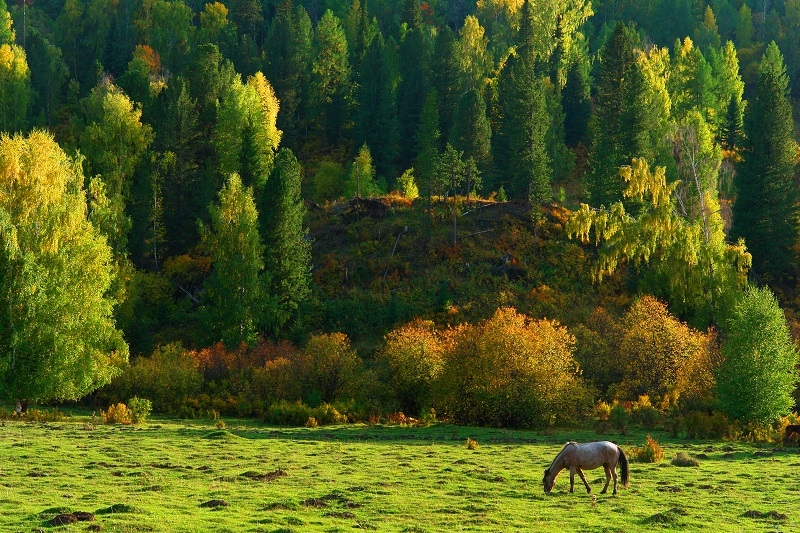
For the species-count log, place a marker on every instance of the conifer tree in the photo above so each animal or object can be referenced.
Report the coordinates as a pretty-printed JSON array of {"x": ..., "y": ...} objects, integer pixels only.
[
  {"x": 288, "y": 65},
  {"x": 520, "y": 150},
  {"x": 427, "y": 139},
  {"x": 376, "y": 117},
  {"x": 766, "y": 209},
  {"x": 412, "y": 88},
  {"x": 445, "y": 77},
  {"x": 330, "y": 72},
  {"x": 617, "y": 61},
  {"x": 287, "y": 251},
  {"x": 576, "y": 103},
  {"x": 471, "y": 131}
]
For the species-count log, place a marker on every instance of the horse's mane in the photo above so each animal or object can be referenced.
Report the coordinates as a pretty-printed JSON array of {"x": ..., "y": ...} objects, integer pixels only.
[{"x": 558, "y": 456}]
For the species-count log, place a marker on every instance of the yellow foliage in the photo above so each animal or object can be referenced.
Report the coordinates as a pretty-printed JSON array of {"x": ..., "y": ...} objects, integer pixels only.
[
  {"x": 117, "y": 414},
  {"x": 661, "y": 355}
]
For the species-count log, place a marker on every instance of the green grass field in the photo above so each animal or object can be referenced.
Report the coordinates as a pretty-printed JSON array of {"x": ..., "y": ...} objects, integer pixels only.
[{"x": 156, "y": 477}]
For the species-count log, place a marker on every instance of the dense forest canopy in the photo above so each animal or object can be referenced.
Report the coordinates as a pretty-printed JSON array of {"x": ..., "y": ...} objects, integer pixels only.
[{"x": 346, "y": 175}]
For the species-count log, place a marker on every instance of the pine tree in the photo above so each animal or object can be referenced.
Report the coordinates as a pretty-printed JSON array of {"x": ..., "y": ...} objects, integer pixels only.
[
  {"x": 472, "y": 133},
  {"x": 730, "y": 132},
  {"x": 617, "y": 60},
  {"x": 445, "y": 77},
  {"x": 288, "y": 65},
  {"x": 376, "y": 117},
  {"x": 766, "y": 210},
  {"x": 288, "y": 252},
  {"x": 427, "y": 139},
  {"x": 330, "y": 72},
  {"x": 412, "y": 89},
  {"x": 520, "y": 141},
  {"x": 576, "y": 103}
]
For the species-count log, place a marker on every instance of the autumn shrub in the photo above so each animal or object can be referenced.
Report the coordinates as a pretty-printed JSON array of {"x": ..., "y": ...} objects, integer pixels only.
[
  {"x": 472, "y": 444},
  {"x": 328, "y": 367},
  {"x": 168, "y": 378},
  {"x": 414, "y": 354},
  {"x": 117, "y": 414},
  {"x": 660, "y": 354},
  {"x": 39, "y": 415},
  {"x": 650, "y": 452},
  {"x": 602, "y": 413},
  {"x": 644, "y": 413},
  {"x": 512, "y": 371}
]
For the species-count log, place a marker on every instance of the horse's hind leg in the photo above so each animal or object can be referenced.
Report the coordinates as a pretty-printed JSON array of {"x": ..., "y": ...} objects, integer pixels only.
[
  {"x": 614, "y": 475},
  {"x": 608, "y": 478},
  {"x": 580, "y": 473}
]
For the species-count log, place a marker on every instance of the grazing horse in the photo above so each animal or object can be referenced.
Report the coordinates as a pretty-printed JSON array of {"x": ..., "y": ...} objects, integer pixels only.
[
  {"x": 588, "y": 455},
  {"x": 791, "y": 431}
]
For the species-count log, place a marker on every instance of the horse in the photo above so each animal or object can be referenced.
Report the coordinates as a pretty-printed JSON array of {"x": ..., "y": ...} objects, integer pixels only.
[
  {"x": 588, "y": 455},
  {"x": 791, "y": 431}
]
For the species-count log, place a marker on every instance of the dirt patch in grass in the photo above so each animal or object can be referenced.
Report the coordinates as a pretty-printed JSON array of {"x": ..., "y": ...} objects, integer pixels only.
[
  {"x": 279, "y": 506},
  {"x": 214, "y": 504},
  {"x": 770, "y": 515},
  {"x": 269, "y": 476},
  {"x": 345, "y": 515},
  {"x": 70, "y": 518},
  {"x": 37, "y": 473},
  {"x": 317, "y": 503}
]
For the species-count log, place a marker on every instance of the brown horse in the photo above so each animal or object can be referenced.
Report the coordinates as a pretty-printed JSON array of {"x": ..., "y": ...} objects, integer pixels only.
[
  {"x": 589, "y": 455},
  {"x": 792, "y": 430}
]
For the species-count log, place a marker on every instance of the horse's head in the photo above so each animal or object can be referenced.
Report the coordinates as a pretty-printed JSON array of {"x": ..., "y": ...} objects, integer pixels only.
[{"x": 548, "y": 481}]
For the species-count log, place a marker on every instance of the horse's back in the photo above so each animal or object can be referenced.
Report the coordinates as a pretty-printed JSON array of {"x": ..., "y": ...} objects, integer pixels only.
[{"x": 595, "y": 454}]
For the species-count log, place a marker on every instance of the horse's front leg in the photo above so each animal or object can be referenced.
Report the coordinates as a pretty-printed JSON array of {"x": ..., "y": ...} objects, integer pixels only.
[
  {"x": 608, "y": 478},
  {"x": 572, "y": 479},
  {"x": 580, "y": 473}
]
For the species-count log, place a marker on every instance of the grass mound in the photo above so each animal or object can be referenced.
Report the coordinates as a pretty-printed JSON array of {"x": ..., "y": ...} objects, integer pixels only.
[
  {"x": 670, "y": 516},
  {"x": 221, "y": 434},
  {"x": 117, "y": 508},
  {"x": 771, "y": 515},
  {"x": 684, "y": 460}
]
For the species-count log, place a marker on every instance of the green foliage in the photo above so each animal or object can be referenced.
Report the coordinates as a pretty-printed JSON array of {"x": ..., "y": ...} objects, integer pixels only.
[
  {"x": 766, "y": 207},
  {"x": 407, "y": 184},
  {"x": 58, "y": 339},
  {"x": 329, "y": 366},
  {"x": 330, "y": 76},
  {"x": 287, "y": 257},
  {"x": 140, "y": 409},
  {"x": 692, "y": 257},
  {"x": 758, "y": 373},
  {"x": 235, "y": 297},
  {"x": 361, "y": 178},
  {"x": 619, "y": 418},
  {"x": 328, "y": 181},
  {"x": 168, "y": 378},
  {"x": 15, "y": 88}
]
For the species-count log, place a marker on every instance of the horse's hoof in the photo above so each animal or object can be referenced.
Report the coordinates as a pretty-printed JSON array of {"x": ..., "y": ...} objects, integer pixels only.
[{"x": 603, "y": 492}]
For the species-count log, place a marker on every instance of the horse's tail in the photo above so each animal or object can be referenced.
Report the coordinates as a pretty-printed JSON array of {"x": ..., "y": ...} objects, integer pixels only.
[{"x": 623, "y": 466}]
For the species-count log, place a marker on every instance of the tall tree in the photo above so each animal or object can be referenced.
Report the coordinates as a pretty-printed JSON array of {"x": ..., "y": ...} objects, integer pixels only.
[
  {"x": 412, "y": 88},
  {"x": 234, "y": 290},
  {"x": 575, "y": 100},
  {"x": 445, "y": 77},
  {"x": 58, "y": 339},
  {"x": 288, "y": 64},
  {"x": 376, "y": 116},
  {"x": 475, "y": 59},
  {"x": 520, "y": 150},
  {"x": 766, "y": 208},
  {"x": 758, "y": 372},
  {"x": 7, "y": 34},
  {"x": 330, "y": 72},
  {"x": 171, "y": 32},
  {"x": 114, "y": 141},
  {"x": 471, "y": 132},
  {"x": 288, "y": 252},
  {"x": 427, "y": 139}
]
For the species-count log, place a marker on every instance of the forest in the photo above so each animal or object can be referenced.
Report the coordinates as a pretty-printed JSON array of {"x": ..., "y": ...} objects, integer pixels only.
[{"x": 510, "y": 213}]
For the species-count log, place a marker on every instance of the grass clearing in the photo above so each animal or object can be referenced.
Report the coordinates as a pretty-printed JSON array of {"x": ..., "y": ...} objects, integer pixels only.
[{"x": 189, "y": 476}]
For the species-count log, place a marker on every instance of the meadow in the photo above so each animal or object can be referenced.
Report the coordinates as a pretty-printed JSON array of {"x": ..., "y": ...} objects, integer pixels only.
[{"x": 187, "y": 476}]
